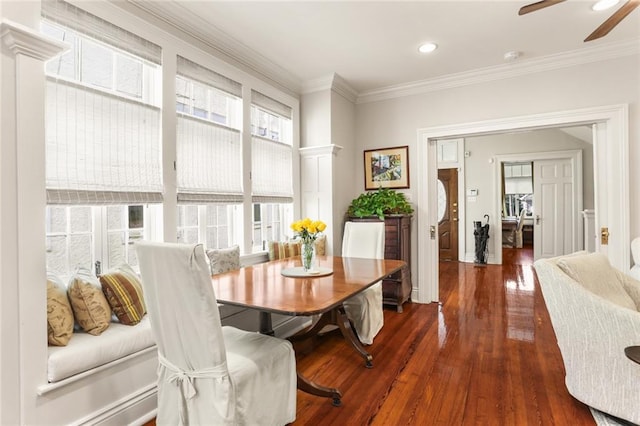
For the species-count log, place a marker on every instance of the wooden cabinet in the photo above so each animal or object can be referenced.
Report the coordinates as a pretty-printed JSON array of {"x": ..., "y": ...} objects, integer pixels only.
[{"x": 396, "y": 288}]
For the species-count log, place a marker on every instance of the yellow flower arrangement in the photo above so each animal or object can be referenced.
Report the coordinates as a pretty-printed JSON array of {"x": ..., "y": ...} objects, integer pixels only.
[{"x": 308, "y": 229}]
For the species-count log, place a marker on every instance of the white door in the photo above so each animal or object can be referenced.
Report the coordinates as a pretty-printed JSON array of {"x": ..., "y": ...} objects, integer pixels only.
[{"x": 554, "y": 224}]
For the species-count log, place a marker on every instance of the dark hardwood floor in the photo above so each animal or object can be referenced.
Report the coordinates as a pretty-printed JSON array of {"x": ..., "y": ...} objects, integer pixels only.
[{"x": 486, "y": 355}]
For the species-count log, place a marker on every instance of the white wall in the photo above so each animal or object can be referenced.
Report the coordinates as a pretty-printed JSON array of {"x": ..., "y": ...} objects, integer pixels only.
[
  {"x": 479, "y": 171},
  {"x": 395, "y": 122}
]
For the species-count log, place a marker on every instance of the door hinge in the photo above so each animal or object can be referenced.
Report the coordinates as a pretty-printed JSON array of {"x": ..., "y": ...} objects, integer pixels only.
[
  {"x": 432, "y": 232},
  {"x": 604, "y": 236}
]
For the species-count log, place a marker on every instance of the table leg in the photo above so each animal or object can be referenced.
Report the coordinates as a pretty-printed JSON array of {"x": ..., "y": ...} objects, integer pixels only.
[
  {"x": 265, "y": 324},
  {"x": 342, "y": 321},
  {"x": 338, "y": 317},
  {"x": 308, "y": 386}
]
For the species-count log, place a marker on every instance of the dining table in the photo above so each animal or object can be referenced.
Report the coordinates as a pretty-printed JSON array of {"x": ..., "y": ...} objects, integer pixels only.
[{"x": 283, "y": 287}]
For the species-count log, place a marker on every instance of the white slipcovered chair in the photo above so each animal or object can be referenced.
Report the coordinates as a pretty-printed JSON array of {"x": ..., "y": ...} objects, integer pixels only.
[
  {"x": 209, "y": 374},
  {"x": 365, "y": 240}
]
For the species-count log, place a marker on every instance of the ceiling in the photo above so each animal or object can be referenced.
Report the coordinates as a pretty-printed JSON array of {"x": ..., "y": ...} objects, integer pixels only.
[{"x": 373, "y": 45}]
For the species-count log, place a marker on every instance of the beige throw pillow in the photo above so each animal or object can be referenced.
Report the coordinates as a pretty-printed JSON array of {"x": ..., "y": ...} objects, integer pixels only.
[
  {"x": 595, "y": 273},
  {"x": 59, "y": 313},
  {"x": 90, "y": 306}
]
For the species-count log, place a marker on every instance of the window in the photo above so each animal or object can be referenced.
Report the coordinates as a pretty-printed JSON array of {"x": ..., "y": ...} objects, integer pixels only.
[
  {"x": 93, "y": 237},
  {"x": 215, "y": 225},
  {"x": 209, "y": 156},
  {"x": 103, "y": 146},
  {"x": 271, "y": 169},
  {"x": 271, "y": 223}
]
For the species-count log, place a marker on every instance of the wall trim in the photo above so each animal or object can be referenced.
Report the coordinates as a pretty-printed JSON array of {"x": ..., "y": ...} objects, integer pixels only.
[
  {"x": 331, "y": 82},
  {"x": 611, "y": 179},
  {"x": 26, "y": 41},
  {"x": 311, "y": 151},
  {"x": 603, "y": 52}
]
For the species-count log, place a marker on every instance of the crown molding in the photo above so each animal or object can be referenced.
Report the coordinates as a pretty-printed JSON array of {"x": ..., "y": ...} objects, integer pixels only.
[
  {"x": 552, "y": 62},
  {"x": 222, "y": 44},
  {"x": 26, "y": 41},
  {"x": 331, "y": 82}
]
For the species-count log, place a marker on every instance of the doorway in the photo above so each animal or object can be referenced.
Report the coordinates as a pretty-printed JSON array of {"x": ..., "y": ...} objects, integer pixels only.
[
  {"x": 448, "y": 214},
  {"x": 611, "y": 186}
]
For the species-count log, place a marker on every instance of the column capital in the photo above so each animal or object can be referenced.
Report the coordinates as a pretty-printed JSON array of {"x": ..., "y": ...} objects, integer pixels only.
[{"x": 26, "y": 41}]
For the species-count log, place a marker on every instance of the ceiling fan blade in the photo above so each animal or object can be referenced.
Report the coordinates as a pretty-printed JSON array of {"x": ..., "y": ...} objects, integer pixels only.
[
  {"x": 613, "y": 20},
  {"x": 537, "y": 6}
]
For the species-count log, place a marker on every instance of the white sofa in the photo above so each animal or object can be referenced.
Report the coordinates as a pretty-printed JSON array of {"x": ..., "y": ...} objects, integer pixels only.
[{"x": 592, "y": 332}]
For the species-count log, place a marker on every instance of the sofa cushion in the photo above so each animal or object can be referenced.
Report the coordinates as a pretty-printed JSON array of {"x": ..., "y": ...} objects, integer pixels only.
[
  {"x": 595, "y": 273},
  {"x": 224, "y": 260},
  {"x": 59, "y": 313},
  {"x": 90, "y": 306},
  {"x": 85, "y": 351},
  {"x": 123, "y": 290}
]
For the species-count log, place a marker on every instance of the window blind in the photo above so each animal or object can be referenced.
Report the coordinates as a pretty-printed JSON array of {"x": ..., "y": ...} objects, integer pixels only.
[
  {"x": 102, "y": 130},
  {"x": 209, "y": 162},
  {"x": 209, "y": 155},
  {"x": 100, "y": 148},
  {"x": 271, "y": 171},
  {"x": 271, "y": 105},
  {"x": 65, "y": 14},
  {"x": 193, "y": 71},
  {"x": 271, "y": 161}
]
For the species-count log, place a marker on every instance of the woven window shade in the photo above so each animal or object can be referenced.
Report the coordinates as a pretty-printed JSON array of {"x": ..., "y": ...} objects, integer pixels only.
[
  {"x": 83, "y": 22},
  {"x": 271, "y": 105},
  {"x": 196, "y": 72},
  {"x": 209, "y": 162},
  {"x": 271, "y": 171},
  {"x": 209, "y": 155},
  {"x": 100, "y": 148}
]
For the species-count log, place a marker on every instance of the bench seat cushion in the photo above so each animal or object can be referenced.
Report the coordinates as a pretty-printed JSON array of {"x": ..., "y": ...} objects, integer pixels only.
[{"x": 84, "y": 351}]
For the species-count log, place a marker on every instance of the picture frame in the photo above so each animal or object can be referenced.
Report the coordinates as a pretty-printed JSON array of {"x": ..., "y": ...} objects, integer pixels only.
[{"x": 386, "y": 168}]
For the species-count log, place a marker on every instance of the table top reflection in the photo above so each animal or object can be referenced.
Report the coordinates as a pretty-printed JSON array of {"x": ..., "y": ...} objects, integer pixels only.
[{"x": 263, "y": 287}]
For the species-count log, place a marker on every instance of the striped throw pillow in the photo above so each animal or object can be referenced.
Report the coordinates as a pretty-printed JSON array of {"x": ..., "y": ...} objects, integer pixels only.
[
  {"x": 283, "y": 249},
  {"x": 123, "y": 290}
]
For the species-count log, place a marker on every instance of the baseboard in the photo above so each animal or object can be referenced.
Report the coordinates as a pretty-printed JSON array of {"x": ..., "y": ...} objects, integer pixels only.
[{"x": 134, "y": 409}]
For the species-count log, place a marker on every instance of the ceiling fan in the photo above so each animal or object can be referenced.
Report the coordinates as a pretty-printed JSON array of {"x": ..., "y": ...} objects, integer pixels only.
[{"x": 603, "y": 29}]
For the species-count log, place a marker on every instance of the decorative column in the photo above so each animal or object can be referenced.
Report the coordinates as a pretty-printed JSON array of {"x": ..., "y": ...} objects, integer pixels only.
[
  {"x": 22, "y": 218},
  {"x": 316, "y": 189}
]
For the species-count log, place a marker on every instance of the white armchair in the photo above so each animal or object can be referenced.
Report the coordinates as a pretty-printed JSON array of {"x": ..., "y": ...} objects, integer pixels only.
[
  {"x": 635, "y": 252},
  {"x": 365, "y": 240},
  {"x": 595, "y": 318},
  {"x": 209, "y": 374}
]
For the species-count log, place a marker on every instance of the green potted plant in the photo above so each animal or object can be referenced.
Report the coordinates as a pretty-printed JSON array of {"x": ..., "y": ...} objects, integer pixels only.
[{"x": 381, "y": 202}]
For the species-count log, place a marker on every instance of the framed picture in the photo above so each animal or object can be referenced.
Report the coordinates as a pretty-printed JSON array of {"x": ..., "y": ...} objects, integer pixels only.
[{"x": 386, "y": 168}]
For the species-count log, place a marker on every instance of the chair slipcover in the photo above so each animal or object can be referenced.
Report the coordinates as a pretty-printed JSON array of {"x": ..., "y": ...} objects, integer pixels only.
[
  {"x": 365, "y": 240},
  {"x": 209, "y": 374}
]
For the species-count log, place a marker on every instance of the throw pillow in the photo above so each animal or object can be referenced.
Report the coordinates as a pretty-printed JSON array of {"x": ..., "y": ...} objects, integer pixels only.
[
  {"x": 321, "y": 245},
  {"x": 631, "y": 286},
  {"x": 90, "y": 307},
  {"x": 595, "y": 273},
  {"x": 224, "y": 260},
  {"x": 123, "y": 290},
  {"x": 283, "y": 249},
  {"x": 59, "y": 313}
]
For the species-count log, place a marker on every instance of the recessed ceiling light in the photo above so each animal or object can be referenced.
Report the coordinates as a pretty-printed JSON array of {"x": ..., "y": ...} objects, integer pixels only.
[
  {"x": 604, "y": 4},
  {"x": 427, "y": 47}
]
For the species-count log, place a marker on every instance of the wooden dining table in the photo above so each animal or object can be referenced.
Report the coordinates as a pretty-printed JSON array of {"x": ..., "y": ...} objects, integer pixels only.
[{"x": 264, "y": 287}]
